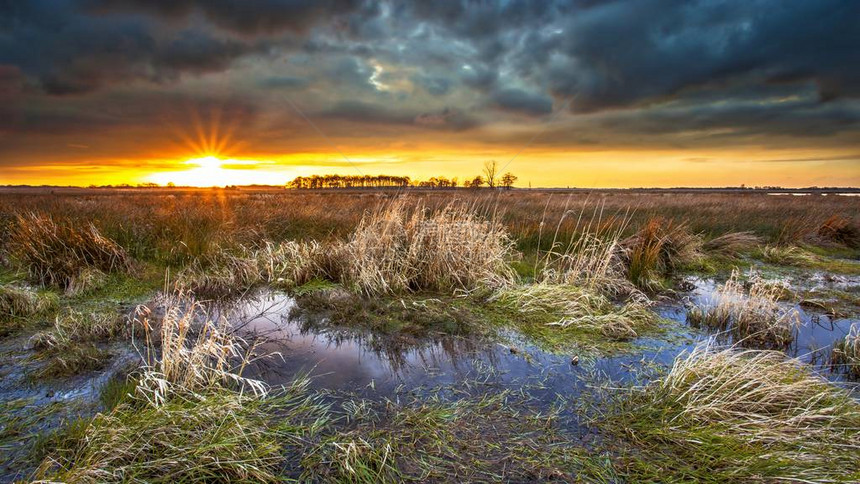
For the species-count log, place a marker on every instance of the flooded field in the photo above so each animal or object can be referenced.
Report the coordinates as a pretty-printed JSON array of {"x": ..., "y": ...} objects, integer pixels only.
[{"x": 440, "y": 353}]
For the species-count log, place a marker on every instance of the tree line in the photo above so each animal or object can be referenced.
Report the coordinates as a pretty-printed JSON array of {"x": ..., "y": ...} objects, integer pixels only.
[{"x": 490, "y": 178}]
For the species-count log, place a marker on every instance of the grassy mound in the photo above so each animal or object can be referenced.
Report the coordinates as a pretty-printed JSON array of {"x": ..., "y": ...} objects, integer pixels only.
[{"x": 738, "y": 416}]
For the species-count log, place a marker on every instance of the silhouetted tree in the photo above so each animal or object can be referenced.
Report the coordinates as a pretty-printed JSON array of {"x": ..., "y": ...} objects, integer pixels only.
[
  {"x": 490, "y": 171},
  {"x": 474, "y": 183},
  {"x": 508, "y": 180}
]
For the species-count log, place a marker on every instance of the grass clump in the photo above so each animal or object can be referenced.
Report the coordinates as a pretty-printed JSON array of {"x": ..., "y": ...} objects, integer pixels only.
[
  {"x": 215, "y": 435},
  {"x": 220, "y": 273},
  {"x": 190, "y": 417},
  {"x": 733, "y": 244},
  {"x": 18, "y": 304},
  {"x": 658, "y": 250},
  {"x": 69, "y": 347},
  {"x": 754, "y": 317},
  {"x": 574, "y": 309},
  {"x": 738, "y": 416},
  {"x": 785, "y": 255},
  {"x": 399, "y": 248},
  {"x": 58, "y": 253},
  {"x": 846, "y": 352},
  {"x": 841, "y": 230}
]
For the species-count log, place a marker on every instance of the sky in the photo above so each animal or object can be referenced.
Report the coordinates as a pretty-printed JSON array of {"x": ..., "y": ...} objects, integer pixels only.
[{"x": 586, "y": 93}]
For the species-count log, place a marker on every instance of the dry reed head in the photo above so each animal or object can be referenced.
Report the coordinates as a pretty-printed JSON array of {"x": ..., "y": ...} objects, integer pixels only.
[
  {"x": 57, "y": 252},
  {"x": 402, "y": 248},
  {"x": 191, "y": 353}
]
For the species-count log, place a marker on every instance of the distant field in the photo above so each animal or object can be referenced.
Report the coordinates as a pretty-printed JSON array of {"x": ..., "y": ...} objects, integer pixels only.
[{"x": 147, "y": 221}]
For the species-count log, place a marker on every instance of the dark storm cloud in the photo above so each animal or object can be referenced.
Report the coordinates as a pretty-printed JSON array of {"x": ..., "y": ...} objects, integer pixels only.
[
  {"x": 520, "y": 101},
  {"x": 365, "y": 113},
  {"x": 68, "y": 52},
  {"x": 283, "y": 82},
  {"x": 248, "y": 17},
  {"x": 724, "y": 70},
  {"x": 627, "y": 52}
]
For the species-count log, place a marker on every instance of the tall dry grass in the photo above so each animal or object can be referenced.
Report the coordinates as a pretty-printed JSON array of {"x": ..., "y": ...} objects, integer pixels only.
[
  {"x": 175, "y": 226},
  {"x": 845, "y": 355},
  {"x": 191, "y": 416},
  {"x": 185, "y": 352},
  {"x": 659, "y": 249},
  {"x": 754, "y": 317},
  {"x": 59, "y": 252},
  {"x": 404, "y": 248},
  {"x": 741, "y": 416}
]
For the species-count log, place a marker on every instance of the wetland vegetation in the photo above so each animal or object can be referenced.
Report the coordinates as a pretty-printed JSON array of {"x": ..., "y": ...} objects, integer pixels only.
[{"x": 429, "y": 336}]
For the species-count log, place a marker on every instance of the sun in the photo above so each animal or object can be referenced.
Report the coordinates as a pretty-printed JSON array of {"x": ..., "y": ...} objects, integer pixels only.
[
  {"x": 213, "y": 171},
  {"x": 211, "y": 163}
]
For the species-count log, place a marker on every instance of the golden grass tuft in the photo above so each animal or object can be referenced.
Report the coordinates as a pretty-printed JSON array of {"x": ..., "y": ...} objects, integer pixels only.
[
  {"x": 733, "y": 243},
  {"x": 57, "y": 252},
  {"x": 404, "y": 248},
  {"x": 840, "y": 229},
  {"x": 846, "y": 352},
  {"x": 659, "y": 249},
  {"x": 186, "y": 353},
  {"x": 192, "y": 417},
  {"x": 18, "y": 302},
  {"x": 750, "y": 415},
  {"x": 581, "y": 308},
  {"x": 754, "y": 317}
]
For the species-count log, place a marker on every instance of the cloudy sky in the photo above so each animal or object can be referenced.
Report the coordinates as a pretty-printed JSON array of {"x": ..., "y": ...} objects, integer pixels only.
[{"x": 577, "y": 93}]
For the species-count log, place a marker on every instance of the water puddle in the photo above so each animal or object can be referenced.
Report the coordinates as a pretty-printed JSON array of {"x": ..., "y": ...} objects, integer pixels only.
[
  {"x": 367, "y": 365},
  {"x": 818, "y": 331}
]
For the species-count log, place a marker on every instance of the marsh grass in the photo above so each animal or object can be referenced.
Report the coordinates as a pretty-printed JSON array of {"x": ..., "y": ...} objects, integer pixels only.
[
  {"x": 733, "y": 244},
  {"x": 845, "y": 355},
  {"x": 58, "y": 252},
  {"x": 186, "y": 352},
  {"x": 220, "y": 273},
  {"x": 754, "y": 317},
  {"x": 785, "y": 255},
  {"x": 19, "y": 304},
  {"x": 576, "y": 308},
  {"x": 724, "y": 415},
  {"x": 212, "y": 436},
  {"x": 189, "y": 416},
  {"x": 588, "y": 257},
  {"x": 841, "y": 230},
  {"x": 477, "y": 438},
  {"x": 658, "y": 250},
  {"x": 70, "y": 347},
  {"x": 405, "y": 248}
]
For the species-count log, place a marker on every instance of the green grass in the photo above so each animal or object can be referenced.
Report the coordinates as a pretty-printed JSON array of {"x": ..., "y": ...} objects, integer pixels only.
[
  {"x": 212, "y": 436},
  {"x": 498, "y": 437},
  {"x": 729, "y": 416}
]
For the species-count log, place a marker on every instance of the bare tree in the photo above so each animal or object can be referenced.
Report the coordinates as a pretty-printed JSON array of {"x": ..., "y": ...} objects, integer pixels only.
[
  {"x": 508, "y": 180},
  {"x": 490, "y": 171}
]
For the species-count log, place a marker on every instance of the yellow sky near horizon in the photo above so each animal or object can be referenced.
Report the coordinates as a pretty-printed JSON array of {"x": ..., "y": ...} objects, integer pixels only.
[{"x": 611, "y": 169}]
